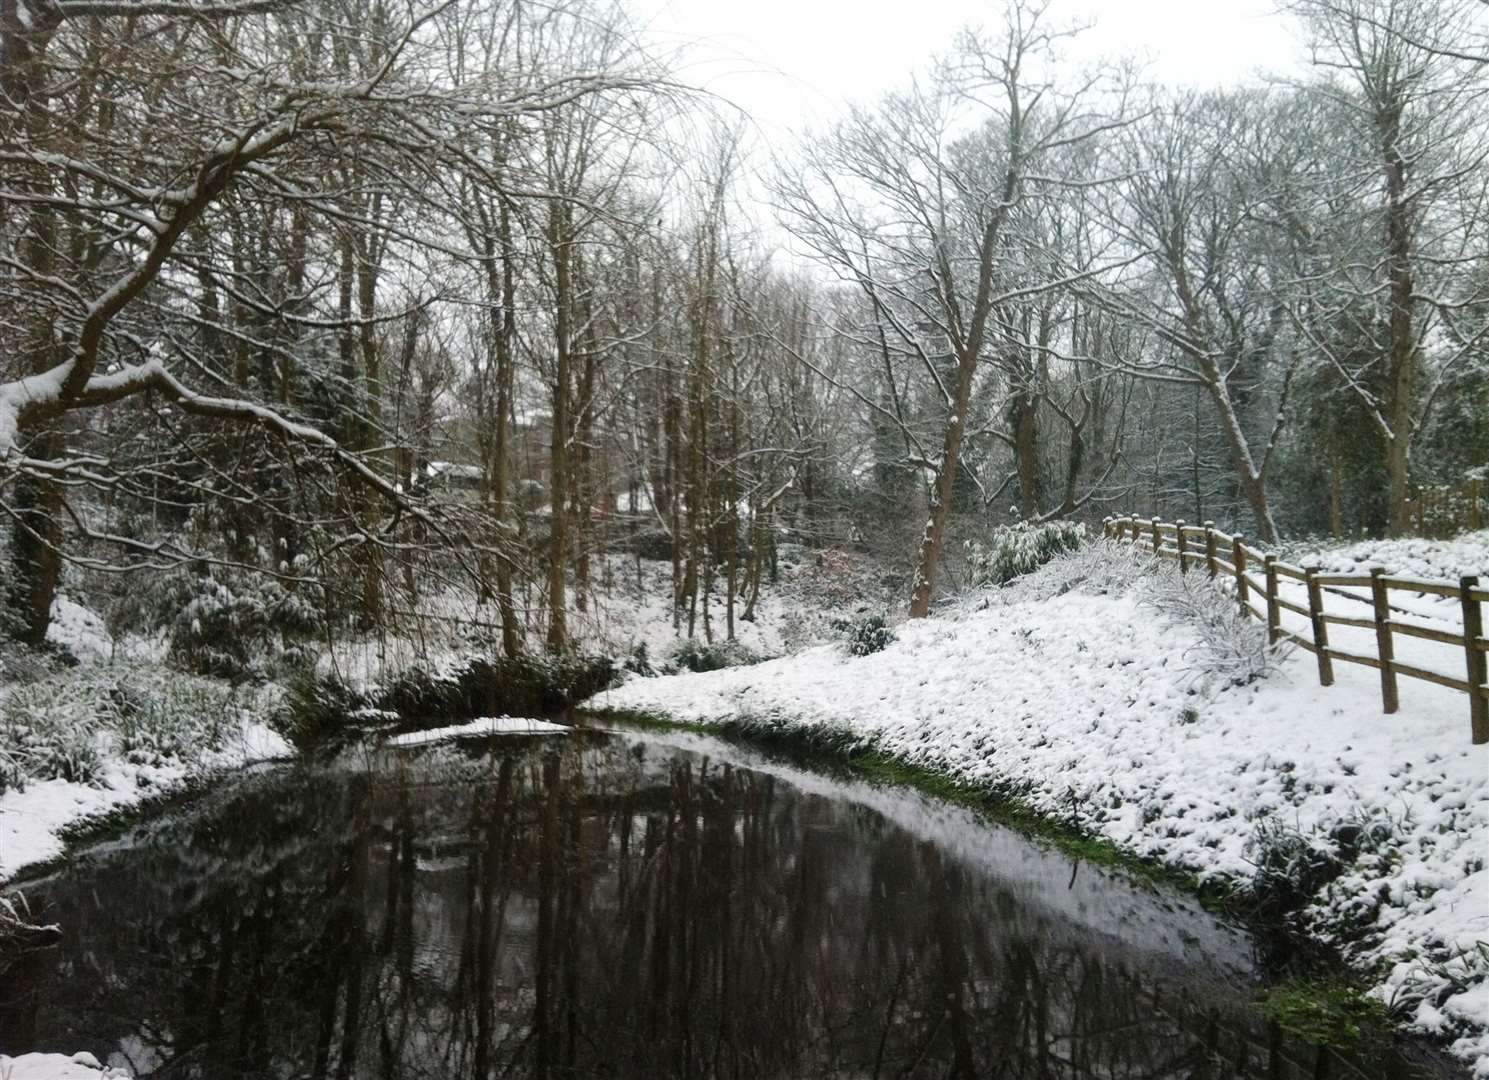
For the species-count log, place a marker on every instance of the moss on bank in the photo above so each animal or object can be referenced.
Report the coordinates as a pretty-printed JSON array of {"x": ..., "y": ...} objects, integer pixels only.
[{"x": 835, "y": 751}]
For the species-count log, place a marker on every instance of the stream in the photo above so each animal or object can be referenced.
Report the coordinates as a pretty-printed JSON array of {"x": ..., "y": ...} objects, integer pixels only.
[{"x": 628, "y": 904}]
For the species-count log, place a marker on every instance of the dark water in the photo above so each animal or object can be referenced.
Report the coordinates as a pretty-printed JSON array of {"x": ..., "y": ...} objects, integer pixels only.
[{"x": 625, "y": 906}]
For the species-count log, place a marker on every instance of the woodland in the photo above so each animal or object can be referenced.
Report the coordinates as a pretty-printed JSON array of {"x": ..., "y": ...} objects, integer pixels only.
[{"x": 326, "y": 307}]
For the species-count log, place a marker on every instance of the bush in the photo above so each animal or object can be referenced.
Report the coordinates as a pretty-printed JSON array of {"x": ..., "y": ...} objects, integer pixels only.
[
  {"x": 866, "y": 636},
  {"x": 639, "y": 663},
  {"x": 322, "y": 712},
  {"x": 47, "y": 732},
  {"x": 520, "y": 686},
  {"x": 227, "y": 624},
  {"x": 1227, "y": 646},
  {"x": 57, "y": 728},
  {"x": 182, "y": 719},
  {"x": 12, "y": 774},
  {"x": 1291, "y": 868},
  {"x": 693, "y": 655},
  {"x": 1100, "y": 568},
  {"x": 318, "y": 712},
  {"x": 1012, "y": 551}
]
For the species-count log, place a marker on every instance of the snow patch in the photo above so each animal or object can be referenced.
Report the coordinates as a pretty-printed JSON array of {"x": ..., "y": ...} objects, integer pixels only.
[{"x": 479, "y": 728}]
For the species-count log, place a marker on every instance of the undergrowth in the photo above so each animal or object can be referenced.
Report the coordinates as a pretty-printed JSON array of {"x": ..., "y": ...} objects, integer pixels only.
[
  {"x": 321, "y": 711},
  {"x": 64, "y": 726}
]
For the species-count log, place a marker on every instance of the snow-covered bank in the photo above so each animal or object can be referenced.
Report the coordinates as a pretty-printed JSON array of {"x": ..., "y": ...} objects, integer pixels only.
[
  {"x": 81, "y": 743},
  {"x": 80, "y": 1066},
  {"x": 1072, "y": 691},
  {"x": 33, "y": 819}
]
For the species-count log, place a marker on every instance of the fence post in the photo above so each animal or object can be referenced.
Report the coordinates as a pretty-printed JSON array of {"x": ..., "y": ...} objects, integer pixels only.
[
  {"x": 1210, "y": 548},
  {"x": 1157, "y": 538},
  {"x": 1320, "y": 628},
  {"x": 1274, "y": 610},
  {"x": 1478, "y": 662},
  {"x": 1378, "y": 593},
  {"x": 1238, "y": 560},
  {"x": 1182, "y": 546}
]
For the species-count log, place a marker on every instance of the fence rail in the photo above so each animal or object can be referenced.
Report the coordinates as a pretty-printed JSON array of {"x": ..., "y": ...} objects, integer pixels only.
[
  {"x": 1444, "y": 509},
  {"x": 1306, "y": 592}
]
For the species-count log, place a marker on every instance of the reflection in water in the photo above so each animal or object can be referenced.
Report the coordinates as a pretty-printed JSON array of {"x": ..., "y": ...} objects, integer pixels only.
[{"x": 614, "y": 908}]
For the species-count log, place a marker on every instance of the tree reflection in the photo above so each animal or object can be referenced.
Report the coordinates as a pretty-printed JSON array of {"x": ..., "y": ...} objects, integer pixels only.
[{"x": 601, "y": 910}]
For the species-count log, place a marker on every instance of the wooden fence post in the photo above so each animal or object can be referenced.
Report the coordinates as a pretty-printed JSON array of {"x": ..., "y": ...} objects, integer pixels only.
[
  {"x": 1478, "y": 661},
  {"x": 1388, "y": 695},
  {"x": 1182, "y": 546},
  {"x": 1238, "y": 560},
  {"x": 1320, "y": 628},
  {"x": 1157, "y": 538},
  {"x": 1210, "y": 548},
  {"x": 1274, "y": 609}
]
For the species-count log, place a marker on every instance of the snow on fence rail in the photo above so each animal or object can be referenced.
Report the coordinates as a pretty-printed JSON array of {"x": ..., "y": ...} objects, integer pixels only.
[{"x": 1293, "y": 601}]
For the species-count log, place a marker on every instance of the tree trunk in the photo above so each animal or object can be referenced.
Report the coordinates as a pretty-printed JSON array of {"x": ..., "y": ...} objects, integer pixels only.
[
  {"x": 558, "y": 542},
  {"x": 1402, "y": 370},
  {"x": 928, "y": 560}
]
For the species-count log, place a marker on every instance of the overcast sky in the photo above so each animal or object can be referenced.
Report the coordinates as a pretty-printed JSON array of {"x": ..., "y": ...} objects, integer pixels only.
[{"x": 795, "y": 62}]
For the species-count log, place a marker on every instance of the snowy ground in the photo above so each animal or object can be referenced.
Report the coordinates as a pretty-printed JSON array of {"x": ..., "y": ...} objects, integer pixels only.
[{"x": 1082, "y": 698}]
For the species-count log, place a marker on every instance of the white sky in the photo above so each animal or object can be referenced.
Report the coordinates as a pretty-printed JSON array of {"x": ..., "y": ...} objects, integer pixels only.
[{"x": 791, "y": 63}]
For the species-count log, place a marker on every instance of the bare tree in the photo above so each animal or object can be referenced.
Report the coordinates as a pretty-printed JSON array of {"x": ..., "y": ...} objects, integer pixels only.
[
  {"x": 1396, "y": 79},
  {"x": 924, "y": 203}
]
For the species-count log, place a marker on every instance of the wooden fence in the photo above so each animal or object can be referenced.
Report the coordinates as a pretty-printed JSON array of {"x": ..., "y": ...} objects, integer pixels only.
[
  {"x": 1380, "y": 601},
  {"x": 1445, "y": 509}
]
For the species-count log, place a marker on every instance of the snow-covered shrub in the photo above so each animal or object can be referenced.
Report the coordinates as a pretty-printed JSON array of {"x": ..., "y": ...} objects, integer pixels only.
[
  {"x": 1224, "y": 646},
  {"x": 639, "y": 662},
  {"x": 1100, "y": 568},
  {"x": 322, "y": 710},
  {"x": 691, "y": 654},
  {"x": 866, "y": 636},
  {"x": 181, "y": 719},
  {"x": 21, "y": 664},
  {"x": 227, "y": 624},
  {"x": 59, "y": 727},
  {"x": 1291, "y": 866},
  {"x": 319, "y": 711},
  {"x": 1011, "y": 551},
  {"x": 12, "y": 775},
  {"x": 48, "y": 730}
]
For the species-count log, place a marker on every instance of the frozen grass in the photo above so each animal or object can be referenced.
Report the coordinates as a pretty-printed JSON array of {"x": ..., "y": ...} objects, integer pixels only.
[
  {"x": 65, "y": 726},
  {"x": 1112, "y": 696},
  {"x": 81, "y": 742},
  {"x": 1223, "y": 647}
]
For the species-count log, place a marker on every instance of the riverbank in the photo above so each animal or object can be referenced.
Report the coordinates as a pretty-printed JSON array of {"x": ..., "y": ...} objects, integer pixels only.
[
  {"x": 86, "y": 744},
  {"x": 1097, "y": 696}
]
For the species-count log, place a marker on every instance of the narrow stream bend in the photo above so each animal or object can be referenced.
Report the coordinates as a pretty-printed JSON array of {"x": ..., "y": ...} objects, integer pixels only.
[{"x": 626, "y": 905}]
